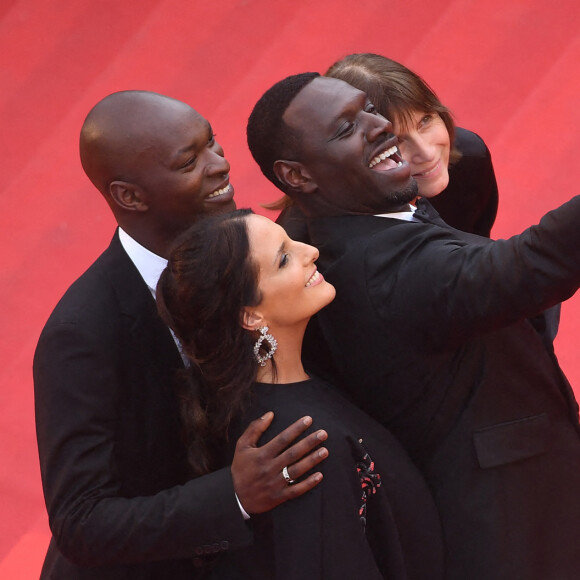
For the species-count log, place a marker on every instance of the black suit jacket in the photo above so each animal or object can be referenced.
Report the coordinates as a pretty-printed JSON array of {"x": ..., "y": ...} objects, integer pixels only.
[
  {"x": 112, "y": 462},
  {"x": 428, "y": 333}
]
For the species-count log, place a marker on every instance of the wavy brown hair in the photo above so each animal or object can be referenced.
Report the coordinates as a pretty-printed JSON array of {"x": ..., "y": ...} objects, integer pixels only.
[
  {"x": 209, "y": 278},
  {"x": 396, "y": 91}
]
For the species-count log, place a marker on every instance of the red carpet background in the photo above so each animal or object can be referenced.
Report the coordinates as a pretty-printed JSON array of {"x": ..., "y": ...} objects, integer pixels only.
[{"x": 508, "y": 69}]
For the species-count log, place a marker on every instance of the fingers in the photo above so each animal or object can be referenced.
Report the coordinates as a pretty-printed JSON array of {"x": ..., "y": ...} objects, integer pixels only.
[
  {"x": 297, "y": 452},
  {"x": 300, "y": 455},
  {"x": 253, "y": 432},
  {"x": 257, "y": 471},
  {"x": 286, "y": 437},
  {"x": 300, "y": 488},
  {"x": 306, "y": 464}
]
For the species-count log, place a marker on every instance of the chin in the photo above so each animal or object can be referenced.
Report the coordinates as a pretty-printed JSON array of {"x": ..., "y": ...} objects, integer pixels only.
[
  {"x": 429, "y": 190},
  {"x": 329, "y": 295},
  {"x": 406, "y": 195},
  {"x": 429, "y": 193}
]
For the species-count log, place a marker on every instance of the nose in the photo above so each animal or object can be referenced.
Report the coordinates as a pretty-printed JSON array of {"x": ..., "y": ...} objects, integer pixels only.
[
  {"x": 310, "y": 254},
  {"x": 216, "y": 164},
  {"x": 377, "y": 127},
  {"x": 415, "y": 149}
]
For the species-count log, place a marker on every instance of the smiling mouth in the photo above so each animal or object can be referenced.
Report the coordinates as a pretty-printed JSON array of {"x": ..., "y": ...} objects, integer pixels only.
[
  {"x": 313, "y": 278},
  {"x": 219, "y": 192},
  {"x": 428, "y": 172},
  {"x": 389, "y": 159}
]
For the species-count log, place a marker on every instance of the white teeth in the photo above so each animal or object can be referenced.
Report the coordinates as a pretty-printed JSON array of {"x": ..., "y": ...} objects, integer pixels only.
[
  {"x": 383, "y": 156},
  {"x": 429, "y": 171},
  {"x": 219, "y": 191},
  {"x": 313, "y": 278}
]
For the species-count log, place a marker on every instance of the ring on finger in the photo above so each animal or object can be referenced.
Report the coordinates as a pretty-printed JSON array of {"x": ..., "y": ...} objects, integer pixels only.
[{"x": 286, "y": 476}]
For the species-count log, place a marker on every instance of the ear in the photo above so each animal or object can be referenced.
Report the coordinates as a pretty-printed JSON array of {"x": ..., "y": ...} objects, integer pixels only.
[
  {"x": 127, "y": 196},
  {"x": 252, "y": 319},
  {"x": 294, "y": 175}
]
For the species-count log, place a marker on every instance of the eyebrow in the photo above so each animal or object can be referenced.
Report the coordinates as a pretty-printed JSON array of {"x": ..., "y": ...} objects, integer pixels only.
[{"x": 194, "y": 145}]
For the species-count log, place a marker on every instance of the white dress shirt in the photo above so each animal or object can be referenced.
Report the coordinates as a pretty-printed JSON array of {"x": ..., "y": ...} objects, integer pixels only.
[{"x": 406, "y": 215}]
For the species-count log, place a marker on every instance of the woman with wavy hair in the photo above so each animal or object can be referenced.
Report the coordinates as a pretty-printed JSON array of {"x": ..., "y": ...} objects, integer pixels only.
[
  {"x": 238, "y": 293},
  {"x": 452, "y": 166}
]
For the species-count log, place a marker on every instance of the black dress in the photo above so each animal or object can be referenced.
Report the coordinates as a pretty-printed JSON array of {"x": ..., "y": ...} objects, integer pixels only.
[{"x": 372, "y": 516}]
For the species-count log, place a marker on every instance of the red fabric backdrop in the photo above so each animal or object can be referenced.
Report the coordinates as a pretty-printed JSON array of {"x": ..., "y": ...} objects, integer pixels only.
[{"x": 507, "y": 68}]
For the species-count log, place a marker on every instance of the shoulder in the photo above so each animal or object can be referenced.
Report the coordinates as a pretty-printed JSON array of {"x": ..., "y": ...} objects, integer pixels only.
[
  {"x": 351, "y": 234},
  {"x": 98, "y": 291},
  {"x": 469, "y": 143},
  {"x": 359, "y": 254},
  {"x": 294, "y": 222}
]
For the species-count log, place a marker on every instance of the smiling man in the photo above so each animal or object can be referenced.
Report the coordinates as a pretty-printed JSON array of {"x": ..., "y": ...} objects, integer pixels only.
[
  {"x": 429, "y": 331},
  {"x": 114, "y": 467}
]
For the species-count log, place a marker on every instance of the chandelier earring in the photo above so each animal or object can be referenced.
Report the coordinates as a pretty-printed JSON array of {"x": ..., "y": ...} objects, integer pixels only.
[{"x": 264, "y": 336}]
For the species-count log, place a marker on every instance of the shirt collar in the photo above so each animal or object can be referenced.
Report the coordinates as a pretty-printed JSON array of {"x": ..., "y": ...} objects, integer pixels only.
[
  {"x": 406, "y": 215},
  {"x": 148, "y": 264}
]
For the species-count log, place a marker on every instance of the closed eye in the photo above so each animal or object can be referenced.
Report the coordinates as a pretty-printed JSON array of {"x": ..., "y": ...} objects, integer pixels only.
[
  {"x": 189, "y": 164},
  {"x": 345, "y": 130},
  {"x": 348, "y": 127}
]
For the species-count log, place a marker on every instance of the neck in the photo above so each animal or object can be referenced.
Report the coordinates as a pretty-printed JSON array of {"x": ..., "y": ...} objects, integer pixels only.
[
  {"x": 320, "y": 210},
  {"x": 288, "y": 358},
  {"x": 148, "y": 240}
]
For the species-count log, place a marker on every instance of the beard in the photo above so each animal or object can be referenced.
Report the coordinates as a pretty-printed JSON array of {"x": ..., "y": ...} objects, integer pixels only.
[{"x": 405, "y": 195}]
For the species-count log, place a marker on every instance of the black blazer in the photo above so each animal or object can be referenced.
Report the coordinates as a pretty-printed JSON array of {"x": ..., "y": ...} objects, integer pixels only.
[
  {"x": 112, "y": 463},
  {"x": 428, "y": 333}
]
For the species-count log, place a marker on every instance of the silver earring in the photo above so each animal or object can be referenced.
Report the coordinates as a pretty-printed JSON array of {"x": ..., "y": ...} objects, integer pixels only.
[{"x": 264, "y": 336}]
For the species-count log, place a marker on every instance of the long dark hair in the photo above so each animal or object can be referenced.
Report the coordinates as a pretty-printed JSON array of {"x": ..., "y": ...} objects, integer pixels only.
[{"x": 209, "y": 278}]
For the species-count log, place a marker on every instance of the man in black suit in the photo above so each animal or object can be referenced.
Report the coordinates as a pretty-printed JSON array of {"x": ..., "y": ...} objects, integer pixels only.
[
  {"x": 429, "y": 331},
  {"x": 114, "y": 469}
]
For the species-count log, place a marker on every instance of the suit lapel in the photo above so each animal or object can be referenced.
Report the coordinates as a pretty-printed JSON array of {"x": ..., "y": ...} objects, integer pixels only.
[{"x": 138, "y": 305}]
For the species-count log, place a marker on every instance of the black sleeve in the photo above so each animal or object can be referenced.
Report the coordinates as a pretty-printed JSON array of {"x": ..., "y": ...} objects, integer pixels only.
[
  {"x": 77, "y": 389},
  {"x": 466, "y": 289}
]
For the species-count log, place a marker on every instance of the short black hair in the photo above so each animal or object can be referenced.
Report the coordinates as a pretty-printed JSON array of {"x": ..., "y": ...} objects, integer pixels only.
[{"x": 269, "y": 138}]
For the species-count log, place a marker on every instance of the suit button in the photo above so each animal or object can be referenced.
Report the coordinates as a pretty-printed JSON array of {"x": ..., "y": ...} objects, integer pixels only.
[
  {"x": 207, "y": 549},
  {"x": 224, "y": 545},
  {"x": 198, "y": 551}
]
